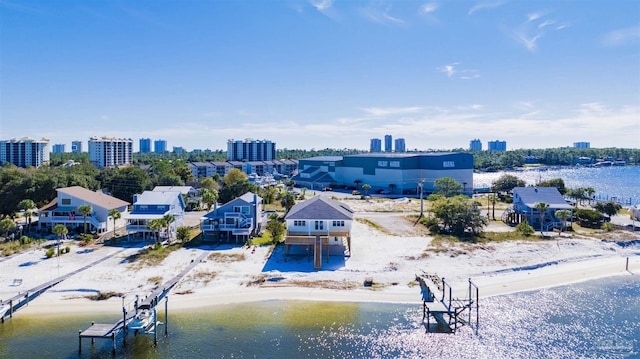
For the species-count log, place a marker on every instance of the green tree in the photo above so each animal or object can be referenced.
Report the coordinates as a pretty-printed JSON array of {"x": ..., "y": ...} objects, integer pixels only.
[
  {"x": 6, "y": 225},
  {"x": 357, "y": 182},
  {"x": 209, "y": 183},
  {"x": 166, "y": 221},
  {"x": 542, "y": 207},
  {"x": 590, "y": 192},
  {"x": 287, "y": 200},
  {"x": 392, "y": 187},
  {"x": 124, "y": 183},
  {"x": 115, "y": 215},
  {"x": 458, "y": 215},
  {"x": 209, "y": 197},
  {"x": 155, "y": 225},
  {"x": 60, "y": 230},
  {"x": 269, "y": 194},
  {"x": 493, "y": 199},
  {"x": 28, "y": 206},
  {"x": 234, "y": 176},
  {"x": 506, "y": 183},
  {"x": 609, "y": 208},
  {"x": 183, "y": 233},
  {"x": 447, "y": 187},
  {"x": 85, "y": 210},
  {"x": 276, "y": 228},
  {"x": 366, "y": 187},
  {"x": 563, "y": 214},
  {"x": 554, "y": 182}
]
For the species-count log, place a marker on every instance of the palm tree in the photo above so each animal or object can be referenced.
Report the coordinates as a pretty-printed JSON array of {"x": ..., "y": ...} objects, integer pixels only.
[
  {"x": 28, "y": 206},
  {"x": 167, "y": 220},
  {"x": 6, "y": 225},
  {"x": 563, "y": 214},
  {"x": 493, "y": 198},
  {"x": 115, "y": 215},
  {"x": 287, "y": 201},
  {"x": 60, "y": 230},
  {"x": 209, "y": 196},
  {"x": 154, "y": 226},
  {"x": 392, "y": 187},
  {"x": 542, "y": 207},
  {"x": 357, "y": 182},
  {"x": 590, "y": 192},
  {"x": 86, "y": 210},
  {"x": 366, "y": 187}
]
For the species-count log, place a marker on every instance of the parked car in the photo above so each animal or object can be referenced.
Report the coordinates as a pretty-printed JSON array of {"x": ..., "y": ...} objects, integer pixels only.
[
  {"x": 325, "y": 189},
  {"x": 355, "y": 193}
]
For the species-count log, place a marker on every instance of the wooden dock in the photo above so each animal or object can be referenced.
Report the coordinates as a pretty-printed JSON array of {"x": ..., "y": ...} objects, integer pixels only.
[
  {"x": 448, "y": 312},
  {"x": 111, "y": 331},
  {"x": 10, "y": 306}
]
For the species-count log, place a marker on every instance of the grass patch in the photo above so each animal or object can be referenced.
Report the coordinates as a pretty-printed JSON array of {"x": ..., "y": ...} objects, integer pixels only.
[
  {"x": 8, "y": 248},
  {"x": 152, "y": 256},
  {"x": 157, "y": 280},
  {"x": 372, "y": 225},
  {"x": 104, "y": 295},
  {"x": 226, "y": 257},
  {"x": 205, "y": 277},
  {"x": 264, "y": 239}
]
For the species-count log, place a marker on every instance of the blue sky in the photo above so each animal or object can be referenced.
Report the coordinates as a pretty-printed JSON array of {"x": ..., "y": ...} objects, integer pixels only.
[{"x": 317, "y": 74}]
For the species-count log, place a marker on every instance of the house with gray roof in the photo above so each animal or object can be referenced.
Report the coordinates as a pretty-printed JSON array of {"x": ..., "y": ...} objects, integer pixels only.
[
  {"x": 525, "y": 200},
  {"x": 237, "y": 220},
  {"x": 64, "y": 210},
  {"x": 319, "y": 223}
]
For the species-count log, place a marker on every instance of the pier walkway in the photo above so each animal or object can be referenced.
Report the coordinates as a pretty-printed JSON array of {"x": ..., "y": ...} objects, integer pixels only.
[
  {"x": 10, "y": 306},
  {"x": 113, "y": 330}
]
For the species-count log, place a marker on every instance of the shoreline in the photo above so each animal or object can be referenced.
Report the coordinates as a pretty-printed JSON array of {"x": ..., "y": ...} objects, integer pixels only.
[{"x": 490, "y": 285}]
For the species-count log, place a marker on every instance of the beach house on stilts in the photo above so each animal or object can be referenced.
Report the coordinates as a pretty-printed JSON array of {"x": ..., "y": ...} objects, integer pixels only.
[
  {"x": 320, "y": 224},
  {"x": 526, "y": 209}
]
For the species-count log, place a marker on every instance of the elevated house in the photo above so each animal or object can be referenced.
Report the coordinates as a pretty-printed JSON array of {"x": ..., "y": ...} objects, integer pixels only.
[
  {"x": 524, "y": 208},
  {"x": 152, "y": 205},
  {"x": 190, "y": 194},
  {"x": 64, "y": 210},
  {"x": 237, "y": 220},
  {"x": 319, "y": 223}
]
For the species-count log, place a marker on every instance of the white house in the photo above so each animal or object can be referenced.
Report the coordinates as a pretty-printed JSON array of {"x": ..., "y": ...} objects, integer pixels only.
[
  {"x": 151, "y": 205},
  {"x": 321, "y": 223},
  {"x": 64, "y": 210}
]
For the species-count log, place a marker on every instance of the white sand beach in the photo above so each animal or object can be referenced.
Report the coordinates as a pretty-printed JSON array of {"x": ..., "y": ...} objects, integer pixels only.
[{"x": 233, "y": 274}]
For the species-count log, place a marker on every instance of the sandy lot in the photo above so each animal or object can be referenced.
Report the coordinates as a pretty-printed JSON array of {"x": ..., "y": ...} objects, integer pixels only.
[{"x": 390, "y": 256}]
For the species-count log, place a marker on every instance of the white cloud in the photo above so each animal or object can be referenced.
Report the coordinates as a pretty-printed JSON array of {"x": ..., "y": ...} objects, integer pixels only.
[
  {"x": 429, "y": 8},
  {"x": 482, "y": 6},
  {"x": 391, "y": 111},
  {"x": 622, "y": 36},
  {"x": 322, "y": 5},
  {"x": 380, "y": 13},
  {"x": 452, "y": 71},
  {"x": 533, "y": 29}
]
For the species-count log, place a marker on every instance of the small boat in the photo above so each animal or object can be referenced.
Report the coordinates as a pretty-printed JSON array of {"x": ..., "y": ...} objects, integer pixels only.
[{"x": 142, "y": 320}]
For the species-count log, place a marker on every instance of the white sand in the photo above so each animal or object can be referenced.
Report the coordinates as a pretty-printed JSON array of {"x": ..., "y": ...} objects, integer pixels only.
[{"x": 390, "y": 260}]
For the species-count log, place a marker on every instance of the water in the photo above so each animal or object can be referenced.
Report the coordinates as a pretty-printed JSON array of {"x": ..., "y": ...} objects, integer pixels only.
[
  {"x": 621, "y": 182},
  {"x": 595, "y": 319}
]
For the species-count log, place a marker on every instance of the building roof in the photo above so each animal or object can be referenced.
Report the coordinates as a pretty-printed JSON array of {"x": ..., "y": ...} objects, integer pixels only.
[
  {"x": 157, "y": 197},
  {"x": 98, "y": 199},
  {"x": 532, "y": 195},
  {"x": 320, "y": 207},
  {"x": 181, "y": 189}
]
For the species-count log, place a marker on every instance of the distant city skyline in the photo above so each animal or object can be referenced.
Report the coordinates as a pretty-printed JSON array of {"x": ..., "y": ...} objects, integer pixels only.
[{"x": 322, "y": 74}]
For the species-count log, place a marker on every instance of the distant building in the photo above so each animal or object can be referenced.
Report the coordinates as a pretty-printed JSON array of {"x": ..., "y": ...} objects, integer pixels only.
[
  {"x": 106, "y": 152},
  {"x": 179, "y": 149},
  {"x": 475, "y": 145},
  {"x": 58, "y": 148},
  {"x": 159, "y": 146},
  {"x": 197, "y": 150},
  {"x": 145, "y": 145},
  {"x": 251, "y": 150},
  {"x": 388, "y": 143},
  {"x": 400, "y": 146},
  {"x": 25, "y": 152},
  {"x": 376, "y": 145},
  {"x": 76, "y": 146},
  {"x": 497, "y": 145},
  {"x": 581, "y": 145}
]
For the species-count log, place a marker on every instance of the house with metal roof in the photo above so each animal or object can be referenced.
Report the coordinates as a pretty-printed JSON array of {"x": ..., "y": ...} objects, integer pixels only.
[
  {"x": 64, "y": 210},
  {"x": 320, "y": 224},
  {"x": 237, "y": 220},
  {"x": 525, "y": 200},
  {"x": 153, "y": 205}
]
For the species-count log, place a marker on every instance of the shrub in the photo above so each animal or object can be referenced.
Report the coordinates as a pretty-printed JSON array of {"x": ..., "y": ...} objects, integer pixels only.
[
  {"x": 588, "y": 218},
  {"x": 85, "y": 239},
  {"x": 49, "y": 253},
  {"x": 25, "y": 240},
  {"x": 67, "y": 249},
  {"x": 525, "y": 229},
  {"x": 607, "y": 226}
]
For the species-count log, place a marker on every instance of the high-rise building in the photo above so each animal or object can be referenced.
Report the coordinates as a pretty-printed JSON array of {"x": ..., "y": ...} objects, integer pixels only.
[
  {"x": 179, "y": 149},
  {"x": 76, "y": 146},
  {"x": 110, "y": 152},
  {"x": 388, "y": 143},
  {"x": 400, "y": 145},
  {"x": 58, "y": 148},
  {"x": 159, "y": 146},
  {"x": 145, "y": 145},
  {"x": 376, "y": 145},
  {"x": 497, "y": 145},
  {"x": 582, "y": 145},
  {"x": 251, "y": 150},
  {"x": 475, "y": 145},
  {"x": 25, "y": 152}
]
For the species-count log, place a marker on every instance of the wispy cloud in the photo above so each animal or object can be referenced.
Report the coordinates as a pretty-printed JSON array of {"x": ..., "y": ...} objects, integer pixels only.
[
  {"x": 482, "y": 6},
  {"x": 534, "y": 28},
  {"x": 429, "y": 8},
  {"x": 390, "y": 111},
  {"x": 380, "y": 12},
  {"x": 322, "y": 5},
  {"x": 622, "y": 36},
  {"x": 452, "y": 71}
]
